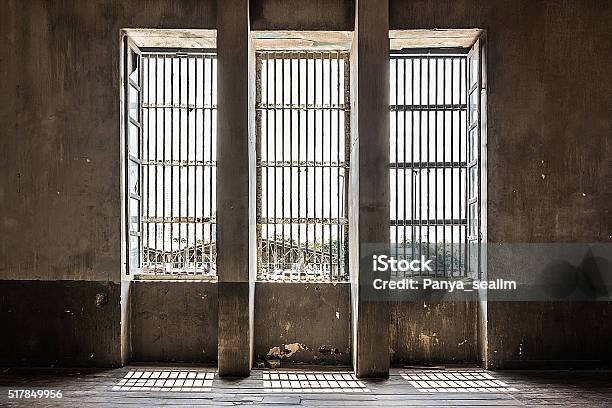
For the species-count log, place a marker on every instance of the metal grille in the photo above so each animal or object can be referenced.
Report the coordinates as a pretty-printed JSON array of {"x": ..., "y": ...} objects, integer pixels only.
[
  {"x": 302, "y": 109},
  {"x": 179, "y": 112},
  {"x": 428, "y": 160}
]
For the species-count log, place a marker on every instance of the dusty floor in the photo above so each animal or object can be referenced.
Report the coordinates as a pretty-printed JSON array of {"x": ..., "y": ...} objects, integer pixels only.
[{"x": 190, "y": 386}]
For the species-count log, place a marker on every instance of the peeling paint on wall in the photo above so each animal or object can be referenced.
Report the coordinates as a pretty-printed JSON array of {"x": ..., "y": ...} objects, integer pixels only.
[{"x": 286, "y": 350}]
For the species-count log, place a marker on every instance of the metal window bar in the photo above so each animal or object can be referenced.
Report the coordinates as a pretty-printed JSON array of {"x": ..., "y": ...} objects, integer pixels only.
[
  {"x": 303, "y": 119},
  {"x": 428, "y": 168},
  {"x": 179, "y": 112}
]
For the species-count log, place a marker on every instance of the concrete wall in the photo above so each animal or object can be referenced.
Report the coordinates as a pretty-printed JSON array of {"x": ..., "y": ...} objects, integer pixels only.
[
  {"x": 548, "y": 113},
  {"x": 549, "y": 334},
  {"x": 549, "y": 107},
  {"x": 60, "y": 204},
  {"x": 60, "y": 148},
  {"x": 59, "y": 323},
  {"x": 433, "y": 332},
  {"x": 174, "y": 321},
  {"x": 315, "y": 316},
  {"x": 302, "y": 15}
]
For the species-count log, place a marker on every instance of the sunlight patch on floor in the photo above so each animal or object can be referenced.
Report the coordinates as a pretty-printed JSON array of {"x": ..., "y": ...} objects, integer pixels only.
[
  {"x": 166, "y": 380},
  {"x": 312, "y": 381},
  {"x": 455, "y": 381}
]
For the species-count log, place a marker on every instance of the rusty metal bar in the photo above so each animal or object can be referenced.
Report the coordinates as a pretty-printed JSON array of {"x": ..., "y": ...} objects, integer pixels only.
[
  {"x": 426, "y": 165},
  {"x": 329, "y": 134},
  {"x": 195, "y": 155},
  {"x": 396, "y": 114},
  {"x": 299, "y": 137},
  {"x": 412, "y": 176},
  {"x": 418, "y": 168},
  {"x": 203, "y": 152},
  {"x": 306, "y": 136},
  {"x": 267, "y": 173},
  {"x": 404, "y": 156},
  {"x": 460, "y": 157},
  {"x": 146, "y": 83},
  {"x": 452, "y": 152},
  {"x": 155, "y": 210},
  {"x": 283, "y": 138},
  {"x": 444, "y": 170},
  {"x": 163, "y": 81},
  {"x": 338, "y": 141},
  {"x": 467, "y": 158},
  {"x": 187, "y": 197},
  {"x": 212, "y": 157},
  {"x": 436, "y": 159},
  {"x": 171, "y": 154},
  {"x": 275, "y": 144},
  {"x": 323, "y": 129},
  {"x": 314, "y": 148}
]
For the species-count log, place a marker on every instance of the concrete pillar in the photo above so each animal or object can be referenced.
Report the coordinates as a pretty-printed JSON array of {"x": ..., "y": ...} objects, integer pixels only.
[
  {"x": 369, "y": 215},
  {"x": 235, "y": 192}
]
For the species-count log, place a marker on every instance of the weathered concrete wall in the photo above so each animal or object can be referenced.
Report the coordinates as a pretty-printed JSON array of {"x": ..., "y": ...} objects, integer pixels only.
[
  {"x": 316, "y": 316},
  {"x": 549, "y": 149},
  {"x": 174, "y": 321},
  {"x": 548, "y": 110},
  {"x": 302, "y": 15},
  {"x": 548, "y": 113},
  {"x": 60, "y": 201},
  {"x": 436, "y": 332},
  {"x": 59, "y": 152},
  {"x": 549, "y": 334},
  {"x": 59, "y": 323}
]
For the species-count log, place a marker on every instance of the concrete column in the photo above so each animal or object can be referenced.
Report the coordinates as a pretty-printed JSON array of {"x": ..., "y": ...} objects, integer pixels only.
[
  {"x": 369, "y": 216},
  {"x": 235, "y": 167}
]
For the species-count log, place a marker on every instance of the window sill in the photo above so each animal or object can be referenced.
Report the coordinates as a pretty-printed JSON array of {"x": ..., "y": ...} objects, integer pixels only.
[{"x": 174, "y": 278}]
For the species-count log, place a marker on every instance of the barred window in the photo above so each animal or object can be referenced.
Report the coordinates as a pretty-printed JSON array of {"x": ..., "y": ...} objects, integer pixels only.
[
  {"x": 177, "y": 163},
  {"x": 302, "y": 108},
  {"x": 429, "y": 159}
]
